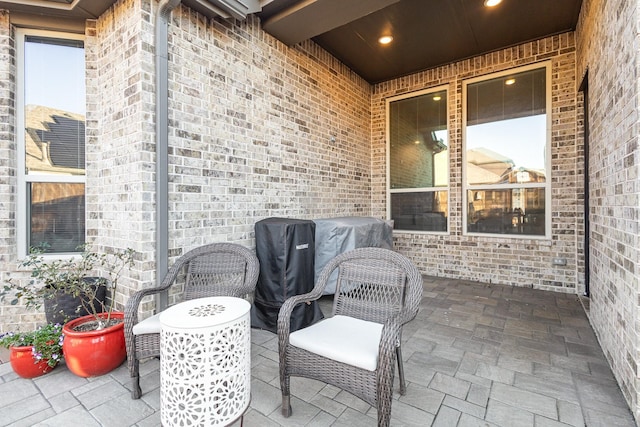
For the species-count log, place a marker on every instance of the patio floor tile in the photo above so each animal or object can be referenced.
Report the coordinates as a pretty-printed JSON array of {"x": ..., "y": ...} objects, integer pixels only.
[{"x": 476, "y": 355}]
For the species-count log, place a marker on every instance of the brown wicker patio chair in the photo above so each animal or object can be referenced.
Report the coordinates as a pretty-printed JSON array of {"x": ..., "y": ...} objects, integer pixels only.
[
  {"x": 217, "y": 269},
  {"x": 355, "y": 349}
]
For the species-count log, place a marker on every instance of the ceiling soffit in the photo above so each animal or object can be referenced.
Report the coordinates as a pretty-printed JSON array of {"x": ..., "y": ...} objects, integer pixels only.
[
  {"x": 306, "y": 19},
  {"x": 426, "y": 33}
]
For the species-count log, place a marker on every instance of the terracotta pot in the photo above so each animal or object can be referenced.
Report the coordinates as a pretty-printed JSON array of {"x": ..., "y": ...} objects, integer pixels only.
[
  {"x": 94, "y": 353},
  {"x": 24, "y": 364}
]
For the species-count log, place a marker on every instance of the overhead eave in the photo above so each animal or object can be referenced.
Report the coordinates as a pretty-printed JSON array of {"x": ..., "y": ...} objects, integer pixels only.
[
  {"x": 310, "y": 18},
  {"x": 67, "y": 15},
  {"x": 238, "y": 9},
  {"x": 71, "y": 9},
  {"x": 71, "y": 14}
]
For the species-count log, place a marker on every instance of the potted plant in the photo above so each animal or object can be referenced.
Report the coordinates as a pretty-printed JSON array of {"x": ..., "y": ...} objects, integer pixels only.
[
  {"x": 94, "y": 343},
  {"x": 56, "y": 285},
  {"x": 36, "y": 352}
]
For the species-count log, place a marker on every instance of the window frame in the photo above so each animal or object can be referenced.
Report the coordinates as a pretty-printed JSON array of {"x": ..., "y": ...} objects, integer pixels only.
[
  {"x": 447, "y": 188},
  {"x": 548, "y": 168},
  {"x": 24, "y": 179}
]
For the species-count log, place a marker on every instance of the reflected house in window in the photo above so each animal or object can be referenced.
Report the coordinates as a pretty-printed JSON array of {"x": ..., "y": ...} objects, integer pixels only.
[
  {"x": 55, "y": 141},
  {"x": 505, "y": 144},
  {"x": 503, "y": 211},
  {"x": 488, "y": 167},
  {"x": 55, "y": 145}
]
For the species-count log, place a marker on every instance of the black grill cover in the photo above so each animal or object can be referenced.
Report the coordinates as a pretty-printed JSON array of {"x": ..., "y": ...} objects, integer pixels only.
[{"x": 286, "y": 250}]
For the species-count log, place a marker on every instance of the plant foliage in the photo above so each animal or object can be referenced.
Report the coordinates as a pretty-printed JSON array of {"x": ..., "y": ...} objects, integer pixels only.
[
  {"x": 67, "y": 275},
  {"x": 46, "y": 342}
]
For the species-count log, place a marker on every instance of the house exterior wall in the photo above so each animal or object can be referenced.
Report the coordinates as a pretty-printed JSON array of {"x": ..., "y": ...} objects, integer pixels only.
[
  {"x": 504, "y": 260},
  {"x": 607, "y": 42},
  {"x": 8, "y": 169},
  {"x": 120, "y": 135},
  {"x": 256, "y": 130},
  {"x": 7, "y": 129}
]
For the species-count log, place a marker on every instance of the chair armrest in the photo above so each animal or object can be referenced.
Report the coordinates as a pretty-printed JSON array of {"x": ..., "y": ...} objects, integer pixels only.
[
  {"x": 408, "y": 316},
  {"x": 284, "y": 319},
  {"x": 133, "y": 303},
  {"x": 131, "y": 307},
  {"x": 284, "y": 315},
  {"x": 391, "y": 331}
]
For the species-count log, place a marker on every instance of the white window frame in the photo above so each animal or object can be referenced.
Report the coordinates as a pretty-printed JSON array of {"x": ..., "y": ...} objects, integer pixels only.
[
  {"x": 546, "y": 185},
  {"x": 447, "y": 188},
  {"x": 23, "y": 179}
]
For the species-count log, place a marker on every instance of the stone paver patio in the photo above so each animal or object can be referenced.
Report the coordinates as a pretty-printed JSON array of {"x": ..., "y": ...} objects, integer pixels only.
[{"x": 476, "y": 355}]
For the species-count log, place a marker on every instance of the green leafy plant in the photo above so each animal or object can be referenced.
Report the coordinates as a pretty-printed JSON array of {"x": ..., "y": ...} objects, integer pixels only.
[
  {"x": 46, "y": 342},
  {"x": 68, "y": 275}
]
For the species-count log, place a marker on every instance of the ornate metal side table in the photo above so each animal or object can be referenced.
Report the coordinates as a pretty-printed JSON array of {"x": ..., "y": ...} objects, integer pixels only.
[{"x": 205, "y": 362}]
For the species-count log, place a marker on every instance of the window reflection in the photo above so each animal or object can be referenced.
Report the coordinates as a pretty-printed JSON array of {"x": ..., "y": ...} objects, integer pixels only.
[
  {"x": 423, "y": 211},
  {"x": 517, "y": 211},
  {"x": 505, "y": 148},
  {"x": 55, "y": 104},
  {"x": 419, "y": 142},
  {"x": 54, "y": 141},
  {"x": 509, "y": 151},
  {"x": 419, "y": 162},
  {"x": 57, "y": 216}
]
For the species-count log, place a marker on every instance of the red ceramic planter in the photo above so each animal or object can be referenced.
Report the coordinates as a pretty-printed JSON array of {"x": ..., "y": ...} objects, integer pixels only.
[
  {"x": 94, "y": 353},
  {"x": 25, "y": 365}
]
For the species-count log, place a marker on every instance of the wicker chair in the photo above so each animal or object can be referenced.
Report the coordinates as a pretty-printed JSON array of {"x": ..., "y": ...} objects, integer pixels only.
[
  {"x": 225, "y": 269},
  {"x": 355, "y": 349}
]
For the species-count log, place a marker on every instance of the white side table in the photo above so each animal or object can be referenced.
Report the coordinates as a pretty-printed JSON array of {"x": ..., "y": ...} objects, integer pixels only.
[{"x": 205, "y": 362}]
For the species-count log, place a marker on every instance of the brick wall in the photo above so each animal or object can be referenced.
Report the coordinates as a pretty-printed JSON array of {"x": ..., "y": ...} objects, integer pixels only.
[
  {"x": 513, "y": 261},
  {"x": 120, "y": 151},
  {"x": 256, "y": 129},
  {"x": 607, "y": 41},
  {"x": 14, "y": 317},
  {"x": 260, "y": 130}
]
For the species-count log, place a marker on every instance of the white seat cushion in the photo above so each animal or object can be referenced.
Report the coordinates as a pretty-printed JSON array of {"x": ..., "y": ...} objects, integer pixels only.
[
  {"x": 150, "y": 325},
  {"x": 343, "y": 339}
]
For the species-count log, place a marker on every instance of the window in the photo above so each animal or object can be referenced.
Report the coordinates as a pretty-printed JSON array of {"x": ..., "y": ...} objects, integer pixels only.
[
  {"x": 418, "y": 161},
  {"x": 506, "y": 153},
  {"x": 51, "y": 141}
]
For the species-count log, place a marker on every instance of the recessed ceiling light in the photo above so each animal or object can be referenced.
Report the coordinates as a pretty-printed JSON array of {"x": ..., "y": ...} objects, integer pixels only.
[
  {"x": 385, "y": 39},
  {"x": 509, "y": 82},
  {"x": 437, "y": 98},
  {"x": 491, "y": 3}
]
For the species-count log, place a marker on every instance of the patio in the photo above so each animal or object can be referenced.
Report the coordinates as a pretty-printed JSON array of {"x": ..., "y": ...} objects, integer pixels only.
[{"x": 475, "y": 355}]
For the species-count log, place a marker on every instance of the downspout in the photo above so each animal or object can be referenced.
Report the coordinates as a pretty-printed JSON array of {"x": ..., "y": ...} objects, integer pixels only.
[{"x": 165, "y": 8}]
